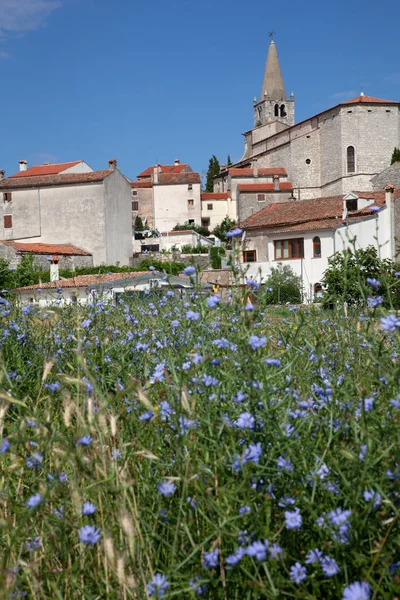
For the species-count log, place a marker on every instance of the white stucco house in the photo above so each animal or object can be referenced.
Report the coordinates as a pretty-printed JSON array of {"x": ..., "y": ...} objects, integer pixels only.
[
  {"x": 69, "y": 203},
  {"x": 106, "y": 287},
  {"x": 165, "y": 195},
  {"x": 305, "y": 234}
]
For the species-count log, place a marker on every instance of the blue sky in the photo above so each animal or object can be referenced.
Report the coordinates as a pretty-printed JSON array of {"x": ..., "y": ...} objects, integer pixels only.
[{"x": 149, "y": 82}]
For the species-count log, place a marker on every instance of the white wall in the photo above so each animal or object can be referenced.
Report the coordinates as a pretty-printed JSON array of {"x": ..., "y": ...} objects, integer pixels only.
[
  {"x": 81, "y": 167},
  {"x": 171, "y": 205},
  {"x": 118, "y": 219},
  {"x": 220, "y": 210}
]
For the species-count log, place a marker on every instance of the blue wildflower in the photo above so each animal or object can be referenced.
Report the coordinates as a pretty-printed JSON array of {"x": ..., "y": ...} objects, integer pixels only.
[
  {"x": 273, "y": 362},
  {"x": 329, "y": 566},
  {"x": 88, "y": 508},
  {"x": 293, "y": 519},
  {"x": 88, "y": 534},
  {"x": 34, "y": 501},
  {"x": 374, "y": 283},
  {"x": 5, "y": 445},
  {"x": 359, "y": 590},
  {"x": 389, "y": 323},
  {"x": 370, "y": 495},
  {"x": 84, "y": 441},
  {"x": 245, "y": 421},
  {"x": 190, "y": 270},
  {"x": 258, "y": 550},
  {"x": 212, "y": 301},
  {"x": 233, "y": 559},
  {"x": 234, "y": 233},
  {"x": 314, "y": 556},
  {"x": 158, "y": 585},
  {"x": 298, "y": 573},
  {"x": 198, "y": 587},
  {"x": 166, "y": 488},
  {"x": 257, "y": 342},
  {"x": 192, "y": 316},
  {"x": 275, "y": 551},
  {"x": 146, "y": 416},
  {"x": 210, "y": 559}
]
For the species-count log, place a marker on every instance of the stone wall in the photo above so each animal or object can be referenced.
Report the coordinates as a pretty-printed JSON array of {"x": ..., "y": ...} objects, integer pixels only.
[
  {"x": 65, "y": 261},
  {"x": 145, "y": 199},
  {"x": 248, "y": 203}
]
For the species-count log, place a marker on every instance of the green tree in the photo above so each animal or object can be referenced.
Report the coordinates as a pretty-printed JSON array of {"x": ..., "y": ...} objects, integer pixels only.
[
  {"x": 283, "y": 286},
  {"x": 222, "y": 229},
  {"x": 395, "y": 156},
  {"x": 229, "y": 161},
  {"x": 198, "y": 228},
  {"x": 213, "y": 171},
  {"x": 345, "y": 279},
  {"x": 139, "y": 224}
]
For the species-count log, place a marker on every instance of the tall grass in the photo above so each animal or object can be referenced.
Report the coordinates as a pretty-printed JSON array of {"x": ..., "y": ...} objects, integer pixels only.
[{"x": 196, "y": 432}]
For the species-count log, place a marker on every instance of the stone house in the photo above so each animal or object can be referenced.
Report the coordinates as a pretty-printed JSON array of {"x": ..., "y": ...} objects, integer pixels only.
[
  {"x": 333, "y": 152},
  {"x": 66, "y": 255},
  {"x": 252, "y": 188},
  {"x": 50, "y": 204},
  {"x": 165, "y": 195},
  {"x": 391, "y": 175},
  {"x": 305, "y": 234}
]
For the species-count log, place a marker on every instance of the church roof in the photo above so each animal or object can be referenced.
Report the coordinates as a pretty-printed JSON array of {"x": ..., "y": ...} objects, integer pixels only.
[
  {"x": 273, "y": 85},
  {"x": 368, "y": 100}
]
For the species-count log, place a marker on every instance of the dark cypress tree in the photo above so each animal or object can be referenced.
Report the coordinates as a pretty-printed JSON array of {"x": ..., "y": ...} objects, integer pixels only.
[
  {"x": 395, "y": 155},
  {"x": 229, "y": 161},
  {"x": 213, "y": 170}
]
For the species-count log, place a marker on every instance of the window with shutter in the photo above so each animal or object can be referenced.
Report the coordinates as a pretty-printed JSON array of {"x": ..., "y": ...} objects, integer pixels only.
[{"x": 7, "y": 222}]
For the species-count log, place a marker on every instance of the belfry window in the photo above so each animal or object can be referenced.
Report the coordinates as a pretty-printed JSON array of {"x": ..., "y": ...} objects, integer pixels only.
[
  {"x": 283, "y": 111},
  {"x": 351, "y": 159},
  {"x": 277, "y": 110}
]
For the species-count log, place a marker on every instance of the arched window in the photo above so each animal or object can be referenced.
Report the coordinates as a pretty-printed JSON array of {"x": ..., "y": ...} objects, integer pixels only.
[
  {"x": 351, "y": 159},
  {"x": 283, "y": 111},
  {"x": 317, "y": 247},
  {"x": 277, "y": 110}
]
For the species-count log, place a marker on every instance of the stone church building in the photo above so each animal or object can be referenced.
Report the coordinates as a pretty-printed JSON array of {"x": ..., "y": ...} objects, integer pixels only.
[{"x": 334, "y": 152}]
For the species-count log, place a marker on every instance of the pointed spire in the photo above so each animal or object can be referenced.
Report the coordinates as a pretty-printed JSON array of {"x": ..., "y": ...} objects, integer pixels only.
[{"x": 273, "y": 82}]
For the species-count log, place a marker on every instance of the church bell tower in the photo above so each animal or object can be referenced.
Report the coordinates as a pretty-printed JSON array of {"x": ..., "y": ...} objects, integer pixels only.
[{"x": 273, "y": 104}]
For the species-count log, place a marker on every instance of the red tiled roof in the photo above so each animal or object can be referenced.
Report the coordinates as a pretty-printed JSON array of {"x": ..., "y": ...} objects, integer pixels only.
[
  {"x": 215, "y": 196},
  {"x": 146, "y": 183},
  {"x": 84, "y": 281},
  {"x": 265, "y": 187},
  {"x": 64, "y": 249},
  {"x": 308, "y": 212},
  {"x": 46, "y": 169},
  {"x": 177, "y": 178},
  {"x": 260, "y": 172},
  {"x": 164, "y": 169},
  {"x": 369, "y": 100},
  {"x": 60, "y": 179}
]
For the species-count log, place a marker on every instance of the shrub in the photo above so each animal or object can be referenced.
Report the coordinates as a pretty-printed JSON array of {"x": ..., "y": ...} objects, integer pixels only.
[
  {"x": 345, "y": 279},
  {"x": 192, "y": 226},
  {"x": 282, "y": 286},
  {"x": 199, "y": 249}
]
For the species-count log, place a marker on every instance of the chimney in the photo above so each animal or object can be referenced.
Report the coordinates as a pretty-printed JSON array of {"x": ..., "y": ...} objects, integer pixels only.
[
  {"x": 112, "y": 164},
  {"x": 255, "y": 168},
  {"x": 23, "y": 165},
  {"x": 54, "y": 270},
  {"x": 276, "y": 183},
  {"x": 177, "y": 162},
  {"x": 2, "y": 174},
  {"x": 155, "y": 174},
  {"x": 345, "y": 211},
  {"x": 389, "y": 191}
]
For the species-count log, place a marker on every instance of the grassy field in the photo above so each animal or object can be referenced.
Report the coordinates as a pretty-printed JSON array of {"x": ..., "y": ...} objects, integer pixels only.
[{"x": 184, "y": 448}]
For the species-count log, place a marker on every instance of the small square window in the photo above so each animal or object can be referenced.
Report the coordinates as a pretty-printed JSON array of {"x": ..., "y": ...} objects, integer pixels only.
[
  {"x": 209, "y": 206},
  {"x": 135, "y": 205},
  {"x": 190, "y": 186},
  {"x": 8, "y": 222},
  {"x": 261, "y": 197},
  {"x": 249, "y": 256},
  {"x": 191, "y": 221},
  {"x": 134, "y": 192},
  {"x": 7, "y": 197},
  {"x": 190, "y": 202}
]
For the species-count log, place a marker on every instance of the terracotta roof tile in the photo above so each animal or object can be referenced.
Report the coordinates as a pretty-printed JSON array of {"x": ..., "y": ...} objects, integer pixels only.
[
  {"x": 260, "y": 172},
  {"x": 164, "y": 169},
  {"x": 146, "y": 183},
  {"x": 49, "y": 180},
  {"x": 369, "y": 100},
  {"x": 309, "y": 211},
  {"x": 82, "y": 281},
  {"x": 215, "y": 196},
  {"x": 61, "y": 249},
  {"x": 177, "y": 178},
  {"x": 264, "y": 187},
  {"x": 46, "y": 169}
]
